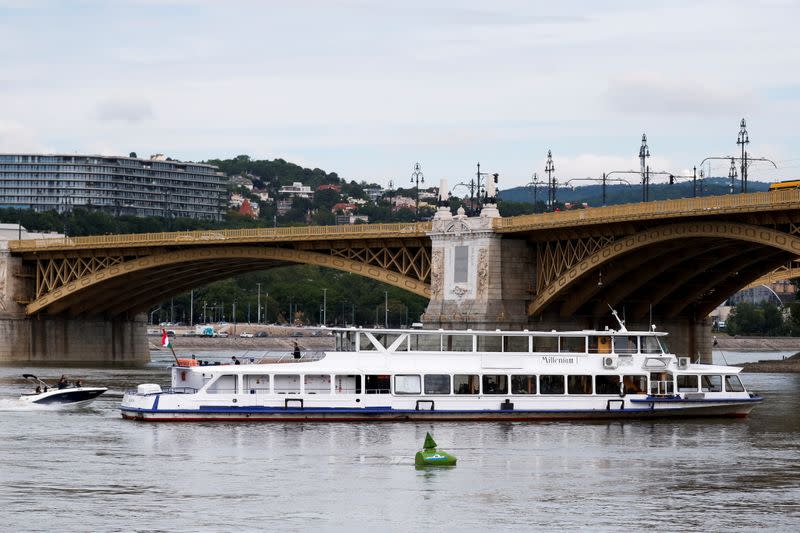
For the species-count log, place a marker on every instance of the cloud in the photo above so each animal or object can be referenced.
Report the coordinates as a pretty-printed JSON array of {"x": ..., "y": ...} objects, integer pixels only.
[
  {"x": 17, "y": 138},
  {"x": 124, "y": 110},
  {"x": 650, "y": 93}
]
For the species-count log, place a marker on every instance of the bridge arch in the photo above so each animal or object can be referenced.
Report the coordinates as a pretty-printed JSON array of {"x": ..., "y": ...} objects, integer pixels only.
[
  {"x": 132, "y": 285},
  {"x": 777, "y": 246}
]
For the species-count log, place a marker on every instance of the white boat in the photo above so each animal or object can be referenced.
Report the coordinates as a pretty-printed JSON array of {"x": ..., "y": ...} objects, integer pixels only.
[
  {"x": 75, "y": 396},
  {"x": 385, "y": 374}
]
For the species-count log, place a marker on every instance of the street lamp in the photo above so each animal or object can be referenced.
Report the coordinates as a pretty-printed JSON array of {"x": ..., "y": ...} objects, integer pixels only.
[
  {"x": 551, "y": 180},
  {"x": 644, "y": 154},
  {"x": 417, "y": 178},
  {"x": 743, "y": 139},
  {"x": 732, "y": 174},
  {"x": 259, "y": 303},
  {"x": 324, "y": 307},
  {"x": 534, "y": 185}
]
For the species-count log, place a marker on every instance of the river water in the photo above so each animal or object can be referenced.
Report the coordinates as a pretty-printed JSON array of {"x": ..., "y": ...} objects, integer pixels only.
[{"x": 89, "y": 470}]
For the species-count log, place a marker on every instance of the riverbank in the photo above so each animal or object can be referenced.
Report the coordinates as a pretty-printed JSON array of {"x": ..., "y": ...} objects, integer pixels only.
[{"x": 757, "y": 344}]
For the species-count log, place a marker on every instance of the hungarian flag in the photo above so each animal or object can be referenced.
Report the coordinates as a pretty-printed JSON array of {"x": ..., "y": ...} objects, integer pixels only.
[{"x": 165, "y": 339}]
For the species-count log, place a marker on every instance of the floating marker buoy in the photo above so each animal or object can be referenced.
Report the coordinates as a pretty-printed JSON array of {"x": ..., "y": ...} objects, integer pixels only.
[{"x": 430, "y": 456}]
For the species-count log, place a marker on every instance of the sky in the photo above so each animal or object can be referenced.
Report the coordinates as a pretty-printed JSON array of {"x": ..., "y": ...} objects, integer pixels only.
[{"x": 368, "y": 88}]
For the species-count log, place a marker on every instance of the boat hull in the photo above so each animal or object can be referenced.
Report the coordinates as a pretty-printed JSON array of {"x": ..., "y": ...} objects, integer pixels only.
[
  {"x": 275, "y": 414},
  {"x": 74, "y": 397}
]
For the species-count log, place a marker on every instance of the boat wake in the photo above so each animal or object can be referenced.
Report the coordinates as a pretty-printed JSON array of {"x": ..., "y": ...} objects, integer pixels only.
[{"x": 15, "y": 404}]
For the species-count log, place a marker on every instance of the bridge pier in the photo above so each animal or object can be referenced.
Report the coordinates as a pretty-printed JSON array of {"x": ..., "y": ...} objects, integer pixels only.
[
  {"x": 61, "y": 339},
  {"x": 479, "y": 280}
]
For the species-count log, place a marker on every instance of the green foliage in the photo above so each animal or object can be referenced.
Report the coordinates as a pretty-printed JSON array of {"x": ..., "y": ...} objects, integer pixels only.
[{"x": 763, "y": 319}]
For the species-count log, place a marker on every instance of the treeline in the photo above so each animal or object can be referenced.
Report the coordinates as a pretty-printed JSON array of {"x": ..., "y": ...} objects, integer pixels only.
[
  {"x": 295, "y": 295},
  {"x": 764, "y": 319}
]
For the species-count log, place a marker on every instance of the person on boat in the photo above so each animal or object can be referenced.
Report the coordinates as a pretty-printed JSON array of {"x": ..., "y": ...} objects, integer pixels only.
[
  {"x": 38, "y": 389},
  {"x": 296, "y": 351},
  {"x": 236, "y": 361},
  {"x": 78, "y": 384},
  {"x": 63, "y": 383}
]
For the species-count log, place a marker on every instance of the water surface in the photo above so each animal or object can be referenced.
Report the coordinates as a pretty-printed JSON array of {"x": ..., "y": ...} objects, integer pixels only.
[{"x": 89, "y": 470}]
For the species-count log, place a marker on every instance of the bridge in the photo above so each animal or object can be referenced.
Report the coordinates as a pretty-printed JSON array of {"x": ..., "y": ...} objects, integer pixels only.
[{"x": 674, "y": 260}]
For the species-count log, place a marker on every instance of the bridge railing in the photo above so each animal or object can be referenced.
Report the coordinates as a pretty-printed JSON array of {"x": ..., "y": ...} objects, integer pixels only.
[
  {"x": 709, "y": 205},
  {"x": 294, "y": 233}
]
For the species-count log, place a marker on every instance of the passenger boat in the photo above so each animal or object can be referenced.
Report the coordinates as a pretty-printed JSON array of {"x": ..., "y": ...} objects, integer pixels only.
[{"x": 385, "y": 374}]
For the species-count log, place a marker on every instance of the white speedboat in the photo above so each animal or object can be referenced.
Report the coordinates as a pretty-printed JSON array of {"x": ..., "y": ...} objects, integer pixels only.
[
  {"x": 72, "y": 396},
  {"x": 383, "y": 374}
]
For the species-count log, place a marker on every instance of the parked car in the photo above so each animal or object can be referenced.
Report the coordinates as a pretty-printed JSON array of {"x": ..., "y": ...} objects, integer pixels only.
[
  {"x": 296, "y": 334},
  {"x": 246, "y": 335},
  {"x": 223, "y": 334},
  {"x": 262, "y": 334}
]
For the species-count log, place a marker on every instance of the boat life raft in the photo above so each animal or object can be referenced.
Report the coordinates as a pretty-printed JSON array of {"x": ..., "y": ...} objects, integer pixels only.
[{"x": 430, "y": 456}]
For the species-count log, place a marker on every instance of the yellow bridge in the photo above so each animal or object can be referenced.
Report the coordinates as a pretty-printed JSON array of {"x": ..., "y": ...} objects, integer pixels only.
[{"x": 682, "y": 256}]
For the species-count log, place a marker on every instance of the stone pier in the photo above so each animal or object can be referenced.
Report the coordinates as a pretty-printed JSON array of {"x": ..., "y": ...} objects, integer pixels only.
[{"x": 74, "y": 340}]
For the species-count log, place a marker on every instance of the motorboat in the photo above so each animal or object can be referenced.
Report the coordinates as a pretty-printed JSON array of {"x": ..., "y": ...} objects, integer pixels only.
[
  {"x": 45, "y": 394},
  {"x": 401, "y": 374}
]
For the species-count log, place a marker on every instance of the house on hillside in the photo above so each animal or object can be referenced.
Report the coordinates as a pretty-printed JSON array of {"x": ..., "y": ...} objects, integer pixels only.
[
  {"x": 342, "y": 220},
  {"x": 249, "y": 209},
  {"x": 297, "y": 190},
  {"x": 329, "y": 187},
  {"x": 235, "y": 201},
  {"x": 345, "y": 207},
  {"x": 241, "y": 181}
]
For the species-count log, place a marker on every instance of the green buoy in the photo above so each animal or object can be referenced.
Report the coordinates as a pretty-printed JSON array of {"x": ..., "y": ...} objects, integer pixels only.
[{"x": 430, "y": 456}]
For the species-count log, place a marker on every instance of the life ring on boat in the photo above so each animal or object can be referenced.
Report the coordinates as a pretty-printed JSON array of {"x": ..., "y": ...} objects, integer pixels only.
[{"x": 622, "y": 390}]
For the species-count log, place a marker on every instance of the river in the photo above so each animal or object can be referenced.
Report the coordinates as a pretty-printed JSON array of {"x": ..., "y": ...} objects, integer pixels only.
[{"x": 89, "y": 470}]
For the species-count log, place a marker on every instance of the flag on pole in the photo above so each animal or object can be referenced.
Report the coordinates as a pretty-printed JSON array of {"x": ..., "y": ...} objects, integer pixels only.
[{"x": 165, "y": 342}]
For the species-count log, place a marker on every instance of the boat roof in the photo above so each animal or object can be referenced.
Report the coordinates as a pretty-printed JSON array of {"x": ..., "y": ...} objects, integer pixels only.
[{"x": 553, "y": 332}]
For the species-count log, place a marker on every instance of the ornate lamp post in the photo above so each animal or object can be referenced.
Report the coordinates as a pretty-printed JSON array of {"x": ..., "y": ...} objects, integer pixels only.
[
  {"x": 550, "y": 168},
  {"x": 732, "y": 174},
  {"x": 743, "y": 140},
  {"x": 644, "y": 154},
  {"x": 417, "y": 178}
]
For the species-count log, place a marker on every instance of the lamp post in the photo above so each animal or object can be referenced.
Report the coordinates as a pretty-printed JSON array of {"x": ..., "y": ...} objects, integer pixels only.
[
  {"x": 644, "y": 154},
  {"x": 732, "y": 174},
  {"x": 743, "y": 139},
  {"x": 324, "y": 307},
  {"x": 745, "y": 160},
  {"x": 417, "y": 178},
  {"x": 258, "y": 313},
  {"x": 534, "y": 185},
  {"x": 551, "y": 180}
]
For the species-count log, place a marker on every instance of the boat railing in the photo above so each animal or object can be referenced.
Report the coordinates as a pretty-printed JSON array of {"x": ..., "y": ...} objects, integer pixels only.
[
  {"x": 662, "y": 388},
  {"x": 166, "y": 390},
  {"x": 288, "y": 357}
]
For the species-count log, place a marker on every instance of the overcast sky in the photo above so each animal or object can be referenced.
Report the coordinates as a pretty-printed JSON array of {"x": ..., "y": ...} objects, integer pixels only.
[{"x": 367, "y": 88}]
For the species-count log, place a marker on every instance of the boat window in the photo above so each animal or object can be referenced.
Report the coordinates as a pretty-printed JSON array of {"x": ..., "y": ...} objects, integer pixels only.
[
  {"x": 551, "y": 384},
  {"x": 650, "y": 345},
  {"x": 376, "y": 384},
  {"x": 223, "y": 385},
  {"x": 625, "y": 344},
  {"x": 635, "y": 384},
  {"x": 490, "y": 343},
  {"x": 606, "y": 384},
  {"x": 495, "y": 384},
  {"x": 711, "y": 383},
  {"x": 733, "y": 384},
  {"x": 318, "y": 384},
  {"x": 573, "y": 344},
  {"x": 545, "y": 344},
  {"x": 407, "y": 384},
  {"x": 437, "y": 384},
  {"x": 663, "y": 342},
  {"x": 422, "y": 342},
  {"x": 457, "y": 343},
  {"x": 579, "y": 384},
  {"x": 599, "y": 344},
  {"x": 515, "y": 343},
  {"x": 523, "y": 384},
  {"x": 466, "y": 384},
  {"x": 256, "y": 384},
  {"x": 347, "y": 384},
  {"x": 686, "y": 383},
  {"x": 287, "y": 383}
]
